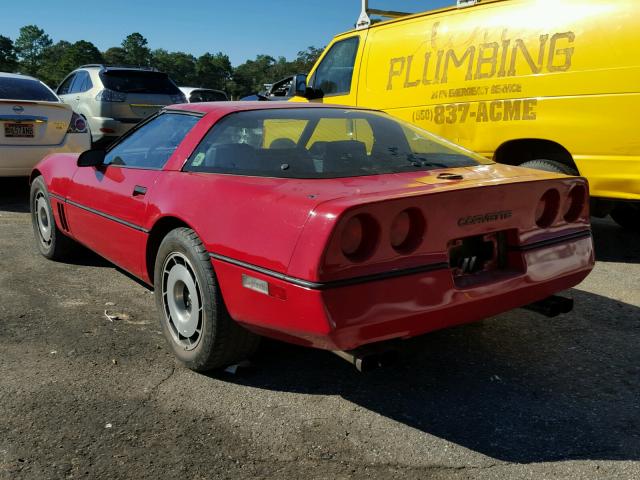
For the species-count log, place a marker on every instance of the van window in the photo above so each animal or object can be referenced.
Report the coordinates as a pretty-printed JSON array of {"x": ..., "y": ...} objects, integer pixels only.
[{"x": 333, "y": 75}]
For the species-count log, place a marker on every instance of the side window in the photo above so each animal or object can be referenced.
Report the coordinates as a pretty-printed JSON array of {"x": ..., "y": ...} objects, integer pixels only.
[
  {"x": 77, "y": 82},
  {"x": 87, "y": 84},
  {"x": 334, "y": 74},
  {"x": 151, "y": 145},
  {"x": 82, "y": 83},
  {"x": 65, "y": 86}
]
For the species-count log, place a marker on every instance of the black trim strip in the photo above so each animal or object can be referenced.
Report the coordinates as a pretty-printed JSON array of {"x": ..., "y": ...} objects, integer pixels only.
[
  {"x": 58, "y": 197},
  {"x": 334, "y": 283},
  {"x": 97, "y": 212},
  {"x": 552, "y": 241}
]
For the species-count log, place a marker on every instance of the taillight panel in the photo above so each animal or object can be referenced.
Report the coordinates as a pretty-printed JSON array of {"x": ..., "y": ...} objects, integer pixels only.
[
  {"x": 575, "y": 203},
  {"x": 407, "y": 230},
  {"x": 359, "y": 237},
  {"x": 416, "y": 230}
]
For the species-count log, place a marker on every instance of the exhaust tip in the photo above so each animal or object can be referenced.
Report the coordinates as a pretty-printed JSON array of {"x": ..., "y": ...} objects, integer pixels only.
[{"x": 366, "y": 360}]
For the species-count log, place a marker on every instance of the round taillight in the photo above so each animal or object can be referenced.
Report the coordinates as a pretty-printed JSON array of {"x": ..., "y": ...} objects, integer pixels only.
[
  {"x": 547, "y": 209},
  {"x": 407, "y": 230},
  {"x": 576, "y": 201},
  {"x": 80, "y": 124},
  {"x": 359, "y": 237}
]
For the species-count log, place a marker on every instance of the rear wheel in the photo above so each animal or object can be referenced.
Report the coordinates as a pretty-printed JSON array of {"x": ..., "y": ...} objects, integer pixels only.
[
  {"x": 51, "y": 241},
  {"x": 193, "y": 316},
  {"x": 627, "y": 215},
  {"x": 550, "y": 166}
]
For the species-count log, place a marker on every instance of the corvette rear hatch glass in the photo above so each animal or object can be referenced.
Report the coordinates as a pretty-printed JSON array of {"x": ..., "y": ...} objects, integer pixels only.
[{"x": 322, "y": 143}]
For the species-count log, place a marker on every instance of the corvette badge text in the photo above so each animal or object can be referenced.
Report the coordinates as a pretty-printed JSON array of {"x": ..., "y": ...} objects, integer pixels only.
[{"x": 485, "y": 218}]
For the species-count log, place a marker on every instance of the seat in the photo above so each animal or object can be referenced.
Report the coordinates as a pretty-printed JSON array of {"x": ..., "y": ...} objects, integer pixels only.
[
  {"x": 232, "y": 156},
  {"x": 344, "y": 156}
]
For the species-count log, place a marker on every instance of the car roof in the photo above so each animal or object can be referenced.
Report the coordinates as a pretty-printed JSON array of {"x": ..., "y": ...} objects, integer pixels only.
[
  {"x": 17, "y": 76},
  {"x": 228, "y": 107}
]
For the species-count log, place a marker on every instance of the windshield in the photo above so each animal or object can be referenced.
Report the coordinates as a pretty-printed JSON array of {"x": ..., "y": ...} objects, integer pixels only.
[
  {"x": 322, "y": 143},
  {"x": 138, "y": 81},
  {"x": 12, "y": 88}
]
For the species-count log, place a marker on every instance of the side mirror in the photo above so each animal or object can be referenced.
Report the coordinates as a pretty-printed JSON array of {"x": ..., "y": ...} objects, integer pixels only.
[
  {"x": 299, "y": 84},
  {"x": 91, "y": 158}
]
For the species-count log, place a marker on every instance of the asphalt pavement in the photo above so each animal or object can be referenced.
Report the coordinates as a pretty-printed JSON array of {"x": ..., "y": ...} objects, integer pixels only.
[{"x": 515, "y": 396}]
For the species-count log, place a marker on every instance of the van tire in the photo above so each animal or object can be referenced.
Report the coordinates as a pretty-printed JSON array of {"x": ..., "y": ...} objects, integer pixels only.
[
  {"x": 627, "y": 215},
  {"x": 550, "y": 166}
]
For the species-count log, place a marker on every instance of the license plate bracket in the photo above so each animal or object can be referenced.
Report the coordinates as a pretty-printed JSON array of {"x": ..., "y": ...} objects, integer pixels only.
[
  {"x": 479, "y": 253},
  {"x": 18, "y": 130}
]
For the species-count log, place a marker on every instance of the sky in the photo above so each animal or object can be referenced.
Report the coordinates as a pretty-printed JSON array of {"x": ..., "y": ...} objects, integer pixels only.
[{"x": 242, "y": 29}]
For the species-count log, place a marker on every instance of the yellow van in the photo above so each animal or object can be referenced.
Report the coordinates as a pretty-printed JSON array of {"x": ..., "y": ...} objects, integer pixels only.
[{"x": 549, "y": 84}]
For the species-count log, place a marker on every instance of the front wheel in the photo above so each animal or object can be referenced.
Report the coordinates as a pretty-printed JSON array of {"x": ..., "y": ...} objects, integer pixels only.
[
  {"x": 193, "y": 316},
  {"x": 51, "y": 241},
  {"x": 627, "y": 215}
]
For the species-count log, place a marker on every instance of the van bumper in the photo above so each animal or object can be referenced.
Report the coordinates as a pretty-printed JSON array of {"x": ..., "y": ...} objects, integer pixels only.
[{"x": 614, "y": 177}]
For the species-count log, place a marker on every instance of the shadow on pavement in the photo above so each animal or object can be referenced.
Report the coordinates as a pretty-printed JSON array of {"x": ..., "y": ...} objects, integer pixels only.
[
  {"x": 14, "y": 194},
  {"x": 518, "y": 388},
  {"x": 613, "y": 243}
]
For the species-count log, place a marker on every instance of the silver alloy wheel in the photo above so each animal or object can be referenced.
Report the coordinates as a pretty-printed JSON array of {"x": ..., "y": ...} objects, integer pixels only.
[
  {"x": 43, "y": 218},
  {"x": 182, "y": 300}
]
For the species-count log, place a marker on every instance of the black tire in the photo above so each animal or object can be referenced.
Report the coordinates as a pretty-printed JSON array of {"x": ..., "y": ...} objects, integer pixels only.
[
  {"x": 550, "y": 166},
  {"x": 51, "y": 241},
  {"x": 627, "y": 215},
  {"x": 212, "y": 339}
]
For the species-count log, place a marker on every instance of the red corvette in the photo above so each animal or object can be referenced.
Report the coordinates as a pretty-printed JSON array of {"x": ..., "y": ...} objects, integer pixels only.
[{"x": 325, "y": 226}]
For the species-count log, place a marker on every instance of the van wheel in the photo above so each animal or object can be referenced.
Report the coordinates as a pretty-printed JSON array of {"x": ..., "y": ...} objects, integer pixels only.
[
  {"x": 193, "y": 316},
  {"x": 51, "y": 241},
  {"x": 550, "y": 166},
  {"x": 627, "y": 215}
]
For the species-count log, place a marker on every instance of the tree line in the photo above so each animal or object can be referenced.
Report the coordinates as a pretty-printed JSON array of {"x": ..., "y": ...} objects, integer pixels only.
[{"x": 34, "y": 53}]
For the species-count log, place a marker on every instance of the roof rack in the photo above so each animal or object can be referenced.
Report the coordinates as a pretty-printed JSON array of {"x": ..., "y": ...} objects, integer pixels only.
[
  {"x": 364, "y": 20},
  {"x": 107, "y": 67}
]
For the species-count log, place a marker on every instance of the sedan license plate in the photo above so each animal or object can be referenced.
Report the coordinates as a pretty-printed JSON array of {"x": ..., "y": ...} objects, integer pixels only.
[{"x": 18, "y": 130}]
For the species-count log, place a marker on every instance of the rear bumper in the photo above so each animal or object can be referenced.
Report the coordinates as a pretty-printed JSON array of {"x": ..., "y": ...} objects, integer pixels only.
[
  {"x": 104, "y": 127},
  {"x": 348, "y": 316},
  {"x": 19, "y": 160}
]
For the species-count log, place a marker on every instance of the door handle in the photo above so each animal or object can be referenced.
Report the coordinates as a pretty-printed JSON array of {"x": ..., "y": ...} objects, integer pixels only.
[{"x": 139, "y": 190}]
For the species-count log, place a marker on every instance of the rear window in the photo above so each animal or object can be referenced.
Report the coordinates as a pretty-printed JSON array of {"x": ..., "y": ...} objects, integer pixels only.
[
  {"x": 25, "y": 89},
  {"x": 136, "y": 81},
  {"x": 207, "y": 96},
  {"x": 322, "y": 143}
]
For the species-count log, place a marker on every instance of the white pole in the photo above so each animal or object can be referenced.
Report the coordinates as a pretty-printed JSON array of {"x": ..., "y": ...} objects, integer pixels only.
[{"x": 363, "y": 20}]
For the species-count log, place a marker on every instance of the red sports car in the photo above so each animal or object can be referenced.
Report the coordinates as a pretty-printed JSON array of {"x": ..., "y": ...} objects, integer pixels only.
[{"x": 326, "y": 226}]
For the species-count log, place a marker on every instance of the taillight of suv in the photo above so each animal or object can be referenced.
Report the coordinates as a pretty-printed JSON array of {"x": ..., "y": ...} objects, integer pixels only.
[
  {"x": 107, "y": 95},
  {"x": 178, "y": 98}
]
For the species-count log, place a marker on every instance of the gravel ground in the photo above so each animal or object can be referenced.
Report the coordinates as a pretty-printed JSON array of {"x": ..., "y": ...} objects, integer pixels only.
[{"x": 515, "y": 396}]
